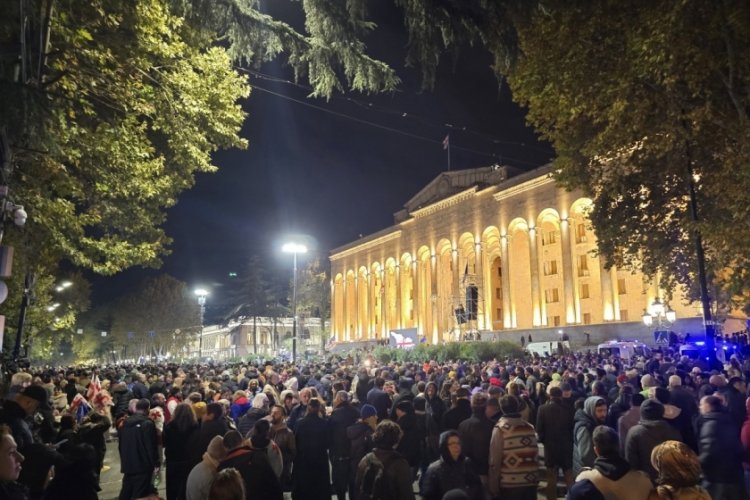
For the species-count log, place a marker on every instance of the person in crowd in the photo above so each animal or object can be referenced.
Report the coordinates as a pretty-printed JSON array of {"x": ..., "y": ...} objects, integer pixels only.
[
  {"x": 745, "y": 439},
  {"x": 10, "y": 467},
  {"x": 300, "y": 410},
  {"x": 240, "y": 405},
  {"x": 385, "y": 462},
  {"x": 310, "y": 473},
  {"x": 460, "y": 411},
  {"x": 260, "y": 409},
  {"x": 554, "y": 427},
  {"x": 475, "y": 433},
  {"x": 343, "y": 416},
  {"x": 434, "y": 411},
  {"x": 18, "y": 382},
  {"x": 359, "y": 436},
  {"x": 453, "y": 470},
  {"x": 720, "y": 451},
  {"x": 412, "y": 436},
  {"x": 253, "y": 465},
  {"x": 260, "y": 441},
  {"x": 611, "y": 476},
  {"x": 228, "y": 485},
  {"x": 173, "y": 399},
  {"x": 74, "y": 474},
  {"x": 404, "y": 394},
  {"x": 629, "y": 419},
  {"x": 177, "y": 435},
  {"x": 139, "y": 456},
  {"x": 199, "y": 480},
  {"x": 513, "y": 436},
  {"x": 593, "y": 413},
  {"x": 378, "y": 398},
  {"x": 121, "y": 396},
  {"x": 679, "y": 473},
  {"x": 92, "y": 431},
  {"x": 212, "y": 424},
  {"x": 646, "y": 435}
]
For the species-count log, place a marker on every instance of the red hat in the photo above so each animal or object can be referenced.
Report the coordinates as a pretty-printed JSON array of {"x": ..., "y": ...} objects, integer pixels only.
[
  {"x": 622, "y": 378},
  {"x": 496, "y": 382}
]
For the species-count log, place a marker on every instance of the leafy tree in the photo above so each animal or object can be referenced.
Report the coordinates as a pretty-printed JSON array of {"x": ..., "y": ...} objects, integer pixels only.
[
  {"x": 314, "y": 294},
  {"x": 639, "y": 100},
  {"x": 159, "y": 316},
  {"x": 249, "y": 294},
  {"x": 109, "y": 123}
]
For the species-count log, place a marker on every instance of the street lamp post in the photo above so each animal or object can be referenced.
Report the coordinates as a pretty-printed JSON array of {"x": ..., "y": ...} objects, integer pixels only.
[
  {"x": 201, "y": 293},
  {"x": 294, "y": 249},
  {"x": 661, "y": 313}
]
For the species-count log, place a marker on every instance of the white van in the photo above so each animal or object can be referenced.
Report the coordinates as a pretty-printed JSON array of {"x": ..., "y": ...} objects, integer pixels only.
[
  {"x": 547, "y": 349},
  {"x": 624, "y": 349}
]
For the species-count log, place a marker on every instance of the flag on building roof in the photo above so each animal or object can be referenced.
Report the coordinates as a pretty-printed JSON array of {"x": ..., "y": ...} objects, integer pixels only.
[{"x": 447, "y": 141}]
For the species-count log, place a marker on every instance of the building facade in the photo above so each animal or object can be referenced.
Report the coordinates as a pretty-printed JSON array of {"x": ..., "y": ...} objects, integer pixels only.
[
  {"x": 484, "y": 250},
  {"x": 261, "y": 336}
]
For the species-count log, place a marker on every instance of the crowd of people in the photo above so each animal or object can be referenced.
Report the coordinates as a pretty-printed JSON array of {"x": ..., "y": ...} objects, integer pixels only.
[{"x": 656, "y": 428}]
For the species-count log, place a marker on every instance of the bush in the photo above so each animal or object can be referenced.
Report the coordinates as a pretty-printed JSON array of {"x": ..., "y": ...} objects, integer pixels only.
[{"x": 469, "y": 351}]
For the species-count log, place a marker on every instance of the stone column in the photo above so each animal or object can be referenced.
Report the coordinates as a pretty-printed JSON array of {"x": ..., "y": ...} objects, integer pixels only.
[
  {"x": 535, "y": 287},
  {"x": 569, "y": 281},
  {"x": 434, "y": 298},
  {"x": 357, "y": 329},
  {"x": 397, "y": 279},
  {"x": 415, "y": 302},
  {"x": 509, "y": 317}
]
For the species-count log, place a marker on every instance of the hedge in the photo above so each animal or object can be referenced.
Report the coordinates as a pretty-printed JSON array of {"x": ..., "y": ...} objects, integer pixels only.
[{"x": 473, "y": 351}]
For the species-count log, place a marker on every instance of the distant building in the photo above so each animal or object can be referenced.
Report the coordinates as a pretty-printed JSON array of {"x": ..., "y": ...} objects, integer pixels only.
[
  {"x": 487, "y": 250},
  {"x": 261, "y": 335}
]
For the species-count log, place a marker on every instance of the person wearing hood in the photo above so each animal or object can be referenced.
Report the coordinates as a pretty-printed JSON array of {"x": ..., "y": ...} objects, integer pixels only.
[
  {"x": 611, "y": 476},
  {"x": 202, "y": 475},
  {"x": 122, "y": 396},
  {"x": 514, "y": 455},
  {"x": 254, "y": 467},
  {"x": 720, "y": 452},
  {"x": 650, "y": 431},
  {"x": 434, "y": 410},
  {"x": 594, "y": 413},
  {"x": 260, "y": 441},
  {"x": 259, "y": 410},
  {"x": 679, "y": 473},
  {"x": 453, "y": 470}
]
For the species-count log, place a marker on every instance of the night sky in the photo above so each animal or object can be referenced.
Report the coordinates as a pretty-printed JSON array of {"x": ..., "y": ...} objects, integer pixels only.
[{"x": 331, "y": 177}]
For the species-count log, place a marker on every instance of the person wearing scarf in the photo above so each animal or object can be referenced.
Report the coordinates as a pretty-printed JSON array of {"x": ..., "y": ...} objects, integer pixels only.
[{"x": 202, "y": 475}]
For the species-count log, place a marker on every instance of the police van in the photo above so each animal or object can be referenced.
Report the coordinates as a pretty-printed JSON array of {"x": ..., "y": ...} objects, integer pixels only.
[{"x": 624, "y": 349}]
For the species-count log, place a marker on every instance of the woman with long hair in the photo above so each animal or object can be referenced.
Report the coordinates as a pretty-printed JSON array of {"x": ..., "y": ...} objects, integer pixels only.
[
  {"x": 177, "y": 434},
  {"x": 679, "y": 473},
  {"x": 228, "y": 485}
]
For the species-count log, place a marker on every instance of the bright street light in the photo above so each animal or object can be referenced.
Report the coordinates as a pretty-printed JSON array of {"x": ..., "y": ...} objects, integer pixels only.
[
  {"x": 201, "y": 293},
  {"x": 294, "y": 249}
]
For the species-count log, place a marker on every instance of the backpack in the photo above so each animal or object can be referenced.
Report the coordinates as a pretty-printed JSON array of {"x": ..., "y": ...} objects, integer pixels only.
[{"x": 373, "y": 485}]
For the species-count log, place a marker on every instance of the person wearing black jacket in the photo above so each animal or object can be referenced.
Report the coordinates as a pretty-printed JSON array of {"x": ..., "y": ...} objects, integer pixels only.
[
  {"x": 412, "y": 437},
  {"x": 344, "y": 415},
  {"x": 360, "y": 438},
  {"x": 404, "y": 394},
  {"x": 176, "y": 437},
  {"x": 212, "y": 424},
  {"x": 139, "y": 453},
  {"x": 720, "y": 452},
  {"x": 254, "y": 467},
  {"x": 554, "y": 426},
  {"x": 476, "y": 433},
  {"x": 452, "y": 471},
  {"x": 378, "y": 398},
  {"x": 310, "y": 474},
  {"x": 460, "y": 411}
]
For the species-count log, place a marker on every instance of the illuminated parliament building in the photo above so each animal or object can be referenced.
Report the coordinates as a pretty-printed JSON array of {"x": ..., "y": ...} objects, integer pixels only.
[{"x": 487, "y": 251}]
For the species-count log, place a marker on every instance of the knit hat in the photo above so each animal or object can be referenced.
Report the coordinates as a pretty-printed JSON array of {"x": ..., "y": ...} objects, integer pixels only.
[
  {"x": 675, "y": 381},
  {"x": 39, "y": 394},
  {"x": 367, "y": 411},
  {"x": 496, "y": 382},
  {"x": 556, "y": 376},
  {"x": 652, "y": 410},
  {"x": 622, "y": 378}
]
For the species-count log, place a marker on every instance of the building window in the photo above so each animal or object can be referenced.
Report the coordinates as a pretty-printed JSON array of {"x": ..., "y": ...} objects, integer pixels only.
[
  {"x": 499, "y": 272},
  {"x": 498, "y": 293},
  {"x": 585, "y": 291},
  {"x": 551, "y": 295},
  {"x": 553, "y": 320},
  {"x": 550, "y": 267},
  {"x": 580, "y": 233},
  {"x": 586, "y": 318},
  {"x": 583, "y": 266},
  {"x": 623, "y": 314},
  {"x": 549, "y": 237},
  {"x": 498, "y": 314},
  {"x": 622, "y": 289}
]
